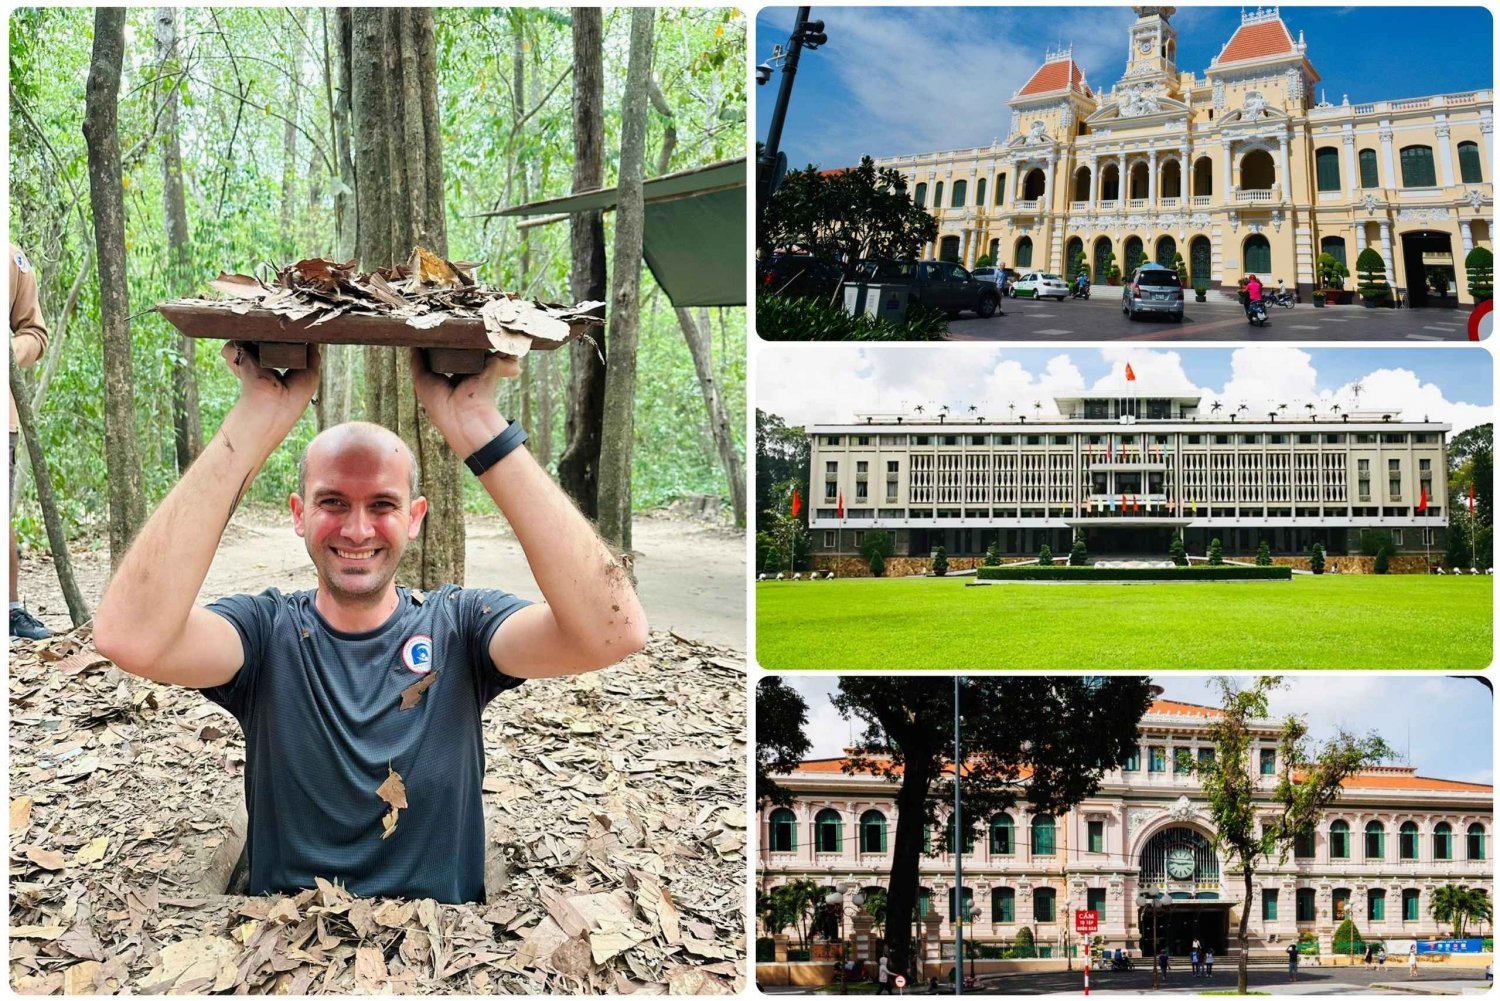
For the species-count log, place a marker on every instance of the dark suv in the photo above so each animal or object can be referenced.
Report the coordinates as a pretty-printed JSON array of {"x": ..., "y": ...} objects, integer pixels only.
[
  {"x": 798, "y": 275},
  {"x": 1153, "y": 288},
  {"x": 935, "y": 285}
]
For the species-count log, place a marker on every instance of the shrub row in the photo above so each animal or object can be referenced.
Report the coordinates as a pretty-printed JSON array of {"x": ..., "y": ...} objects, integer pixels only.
[{"x": 1075, "y": 574}]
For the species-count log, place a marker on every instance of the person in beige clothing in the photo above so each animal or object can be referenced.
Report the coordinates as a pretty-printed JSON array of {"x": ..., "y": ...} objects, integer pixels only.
[{"x": 28, "y": 342}]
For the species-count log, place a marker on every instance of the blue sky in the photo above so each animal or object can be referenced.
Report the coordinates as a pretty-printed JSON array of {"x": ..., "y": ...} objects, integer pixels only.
[
  {"x": 1449, "y": 720},
  {"x": 899, "y": 80},
  {"x": 829, "y": 383}
]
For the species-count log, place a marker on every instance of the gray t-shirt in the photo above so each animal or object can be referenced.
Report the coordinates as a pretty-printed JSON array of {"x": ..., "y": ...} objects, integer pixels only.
[{"x": 321, "y": 711}]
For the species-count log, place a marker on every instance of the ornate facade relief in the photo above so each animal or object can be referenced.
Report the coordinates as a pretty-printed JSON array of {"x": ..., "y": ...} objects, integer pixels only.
[{"x": 1431, "y": 214}]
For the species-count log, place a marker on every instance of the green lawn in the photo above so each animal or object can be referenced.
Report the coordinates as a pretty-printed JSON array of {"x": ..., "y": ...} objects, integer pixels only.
[{"x": 1441, "y": 623}]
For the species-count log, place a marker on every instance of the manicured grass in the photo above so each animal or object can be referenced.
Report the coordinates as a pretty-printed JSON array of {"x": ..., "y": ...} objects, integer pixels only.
[{"x": 1441, "y": 623}]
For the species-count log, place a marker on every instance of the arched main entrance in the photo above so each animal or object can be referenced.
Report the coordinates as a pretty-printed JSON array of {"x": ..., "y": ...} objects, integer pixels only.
[
  {"x": 1425, "y": 255},
  {"x": 1201, "y": 266},
  {"x": 1134, "y": 253},
  {"x": 1179, "y": 863},
  {"x": 1103, "y": 248},
  {"x": 1072, "y": 257},
  {"x": 1166, "y": 251}
]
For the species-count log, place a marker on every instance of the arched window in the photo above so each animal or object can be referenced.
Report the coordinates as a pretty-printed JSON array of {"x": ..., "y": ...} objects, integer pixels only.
[
  {"x": 1307, "y": 904},
  {"x": 979, "y": 194},
  {"x": 1338, "y": 839},
  {"x": 1044, "y": 904},
  {"x": 1327, "y": 159},
  {"x": 1166, "y": 251},
  {"x": 1109, "y": 183},
  {"x": 1036, "y": 186},
  {"x": 1416, "y": 167},
  {"x": 1103, "y": 257},
  {"x": 1023, "y": 252},
  {"x": 1334, "y": 245},
  {"x": 921, "y": 196},
  {"x": 1340, "y": 903},
  {"x": 1257, "y": 171},
  {"x": 1305, "y": 845},
  {"x": 948, "y": 249},
  {"x": 937, "y": 197},
  {"x": 1258, "y": 255},
  {"x": 1374, "y": 839},
  {"x": 1468, "y": 163},
  {"x": 1442, "y": 842},
  {"x": 1474, "y": 843},
  {"x": 872, "y": 832},
  {"x": 1203, "y": 176},
  {"x": 1071, "y": 257},
  {"x": 1043, "y": 836},
  {"x": 783, "y": 831},
  {"x": 968, "y": 904},
  {"x": 1369, "y": 169},
  {"x": 1408, "y": 840},
  {"x": 1003, "y": 905},
  {"x": 1002, "y": 835},
  {"x": 830, "y": 831},
  {"x": 1140, "y": 180},
  {"x": 1081, "y": 184},
  {"x": 960, "y": 192},
  {"x": 968, "y": 838},
  {"x": 1000, "y": 190},
  {"x": 1411, "y": 905},
  {"x": 1375, "y": 904},
  {"x": 1169, "y": 183},
  {"x": 1134, "y": 253}
]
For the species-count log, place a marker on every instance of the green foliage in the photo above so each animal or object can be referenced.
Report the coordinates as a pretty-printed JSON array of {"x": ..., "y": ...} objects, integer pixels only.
[
  {"x": 765, "y": 950},
  {"x": 1383, "y": 560},
  {"x": 1215, "y": 553},
  {"x": 767, "y": 552},
  {"x": 1263, "y": 554},
  {"x": 1317, "y": 561},
  {"x": 1437, "y": 280},
  {"x": 1459, "y": 905},
  {"x": 1106, "y": 265},
  {"x": 992, "y": 554},
  {"x": 877, "y": 565},
  {"x": 1347, "y": 941},
  {"x": 983, "y": 262},
  {"x": 1025, "y": 947},
  {"x": 1180, "y": 266},
  {"x": 1044, "y": 558},
  {"x": 1480, "y": 266},
  {"x": 781, "y": 318},
  {"x": 1372, "y": 281},
  {"x": 1332, "y": 271},
  {"x": 1178, "y": 551},
  {"x": 1373, "y": 540},
  {"x": 847, "y": 215},
  {"x": 1080, "y": 555},
  {"x": 782, "y": 454},
  {"x": 876, "y": 547},
  {"x": 780, "y": 743},
  {"x": 1072, "y": 574},
  {"x": 795, "y": 905},
  {"x": 940, "y": 562}
]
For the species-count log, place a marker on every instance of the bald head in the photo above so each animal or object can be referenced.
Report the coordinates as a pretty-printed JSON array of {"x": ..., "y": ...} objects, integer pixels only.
[{"x": 356, "y": 439}]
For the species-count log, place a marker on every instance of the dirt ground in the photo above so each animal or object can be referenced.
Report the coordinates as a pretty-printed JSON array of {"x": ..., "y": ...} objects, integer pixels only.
[{"x": 691, "y": 574}]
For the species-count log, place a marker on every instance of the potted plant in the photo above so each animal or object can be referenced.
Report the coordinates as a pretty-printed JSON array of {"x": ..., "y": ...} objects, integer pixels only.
[
  {"x": 1374, "y": 290},
  {"x": 1480, "y": 266},
  {"x": 1180, "y": 266},
  {"x": 1318, "y": 296},
  {"x": 1109, "y": 268},
  {"x": 1331, "y": 275},
  {"x": 1200, "y": 291}
]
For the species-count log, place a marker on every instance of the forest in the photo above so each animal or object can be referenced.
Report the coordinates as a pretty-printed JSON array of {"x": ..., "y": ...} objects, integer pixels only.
[{"x": 239, "y": 146}]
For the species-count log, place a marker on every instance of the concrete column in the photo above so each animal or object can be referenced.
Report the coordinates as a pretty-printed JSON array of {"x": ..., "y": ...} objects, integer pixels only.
[
  {"x": 1094, "y": 184},
  {"x": 1151, "y": 179},
  {"x": 1386, "y": 251},
  {"x": 1445, "y": 151},
  {"x": 863, "y": 938},
  {"x": 1050, "y": 196},
  {"x": 1282, "y": 173},
  {"x": 1468, "y": 236},
  {"x": 932, "y": 940},
  {"x": 1228, "y": 189},
  {"x": 1388, "y": 156},
  {"x": 1351, "y": 165}
]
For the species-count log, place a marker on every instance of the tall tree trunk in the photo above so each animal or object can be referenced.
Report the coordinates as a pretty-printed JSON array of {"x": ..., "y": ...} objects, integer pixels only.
[
  {"x": 290, "y": 242},
  {"x": 335, "y": 397},
  {"x": 121, "y": 453},
  {"x": 578, "y": 468},
  {"x": 398, "y": 154},
  {"x": 187, "y": 418},
  {"x": 545, "y": 365},
  {"x": 625, "y": 290},
  {"x": 906, "y": 860},
  {"x": 698, "y": 336}
]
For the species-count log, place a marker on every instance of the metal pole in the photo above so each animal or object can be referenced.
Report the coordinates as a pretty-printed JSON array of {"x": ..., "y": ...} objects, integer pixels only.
[
  {"x": 778, "y": 115},
  {"x": 1155, "y": 947},
  {"x": 1087, "y": 941},
  {"x": 958, "y": 850}
]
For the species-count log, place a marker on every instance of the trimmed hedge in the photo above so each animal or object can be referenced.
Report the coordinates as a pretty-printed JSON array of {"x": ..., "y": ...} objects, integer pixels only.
[{"x": 1078, "y": 574}]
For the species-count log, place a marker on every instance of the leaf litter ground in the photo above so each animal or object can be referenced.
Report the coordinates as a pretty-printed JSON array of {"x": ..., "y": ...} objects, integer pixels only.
[{"x": 614, "y": 804}]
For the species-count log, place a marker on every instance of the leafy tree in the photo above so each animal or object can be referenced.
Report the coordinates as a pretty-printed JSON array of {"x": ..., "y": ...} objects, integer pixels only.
[
  {"x": 1010, "y": 725},
  {"x": 1347, "y": 941},
  {"x": 1383, "y": 560},
  {"x": 1080, "y": 555},
  {"x": 1178, "y": 552},
  {"x": 875, "y": 906},
  {"x": 1308, "y": 780},
  {"x": 1180, "y": 266},
  {"x": 1044, "y": 558},
  {"x": 992, "y": 554},
  {"x": 1263, "y": 554},
  {"x": 1458, "y": 905},
  {"x": 1480, "y": 265},
  {"x": 983, "y": 262},
  {"x": 1025, "y": 946},
  {"x": 876, "y": 548},
  {"x": 1215, "y": 553},
  {"x": 797, "y": 904},
  {"x": 1372, "y": 283},
  {"x": 788, "y": 531},
  {"x": 847, "y": 215},
  {"x": 1373, "y": 540},
  {"x": 780, "y": 744},
  {"x": 782, "y": 454},
  {"x": 940, "y": 562},
  {"x": 1317, "y": 561},
  {"x": 771, "y": 561}
]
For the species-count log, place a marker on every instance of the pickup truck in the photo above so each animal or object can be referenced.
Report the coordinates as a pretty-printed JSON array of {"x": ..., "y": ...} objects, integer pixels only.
[{"x": 935, "y": 284}]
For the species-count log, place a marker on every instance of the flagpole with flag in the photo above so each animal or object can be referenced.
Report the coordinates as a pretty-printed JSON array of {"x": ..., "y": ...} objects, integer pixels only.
[
  {"x": 1426, "y": 538},
  {"x": 1473, "y": 523},
  {"x": 841, "y": 521}
]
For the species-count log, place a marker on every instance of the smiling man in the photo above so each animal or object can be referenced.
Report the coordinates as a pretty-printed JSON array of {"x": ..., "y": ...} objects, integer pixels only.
[{"x": 361, "y": 701}]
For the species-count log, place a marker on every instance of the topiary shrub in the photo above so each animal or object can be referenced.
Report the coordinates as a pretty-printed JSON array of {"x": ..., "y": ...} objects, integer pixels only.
[
  {"x": 1178, "y": 552},
  {"x": 772, "y": 563},
  {"x": 1080, "y": 555},
  {"x": 1025, "y": 946},
  {"x": 1215, "y": 553},
  {"x": 1383, "y": 560},
  {"x": 1347, "y": 941},
  {"x": 1373, "y": 540},
  {"x": 984, "y": 262},
  {"x": 1180, "y": 266},
  {"x": 1044, "y": 559},
  {"x": 1317, "y": 561},
  {"x": 1331, "y": 271},
  {"x": 992, "y": 554},
  {"x": 875, "y": 548},
  {"x": 1372, "y": 283},
  {"x": 939, "y": 562},
  {"x": 877, "y": 565},
  {"x": 1480, "y": 265},
  {"x": 1263, "y": 554}
]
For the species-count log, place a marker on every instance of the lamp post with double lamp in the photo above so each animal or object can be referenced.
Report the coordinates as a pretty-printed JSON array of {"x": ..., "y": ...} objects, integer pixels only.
[
  {"x": 835, "y": 904},
  {"x": 1154, "y": 901}
]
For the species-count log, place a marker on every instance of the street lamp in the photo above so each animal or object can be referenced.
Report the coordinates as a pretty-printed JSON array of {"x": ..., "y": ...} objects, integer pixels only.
[
  {"x": 1154, "y": 900},
  {"x": 835, "y": 903}
]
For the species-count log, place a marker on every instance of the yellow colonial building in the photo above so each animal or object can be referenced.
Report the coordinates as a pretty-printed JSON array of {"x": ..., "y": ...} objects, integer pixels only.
[{"x": 1242, "y": 170}]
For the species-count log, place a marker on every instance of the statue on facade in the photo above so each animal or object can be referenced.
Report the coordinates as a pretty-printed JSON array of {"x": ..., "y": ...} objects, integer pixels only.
[
  {"x": 1138, "y": 101},
  {"x": 1255, "y": 107},
  {"x": 1038, "y": 133}
]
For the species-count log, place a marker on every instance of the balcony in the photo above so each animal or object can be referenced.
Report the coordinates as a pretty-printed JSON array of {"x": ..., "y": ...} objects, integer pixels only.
[
  {"x": 1202, "y": 201},
  {"x": 1137, "y": 203},
  {"x": 1109, "y": 205},
  {"x": 1171, "y": 202},
  {"x": 1257, "y": 196},
  {"x": 1078, "y": 206},
  {"x": 1028, "y": 205}
]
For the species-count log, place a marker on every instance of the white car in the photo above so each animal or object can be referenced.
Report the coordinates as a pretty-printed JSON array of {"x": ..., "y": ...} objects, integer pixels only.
[{"x": 1038, "y": 285}]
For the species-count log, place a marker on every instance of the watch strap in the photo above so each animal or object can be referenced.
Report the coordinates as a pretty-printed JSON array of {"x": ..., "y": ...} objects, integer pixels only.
[{"x": 497, "y": 448}]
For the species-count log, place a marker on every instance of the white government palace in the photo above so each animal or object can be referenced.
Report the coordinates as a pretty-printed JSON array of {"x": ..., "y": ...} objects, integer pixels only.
[
  {"x": 1240, "y": 170},
  {"x": 1126, "y": 473},
  {"x": 1379, "y": 853}
]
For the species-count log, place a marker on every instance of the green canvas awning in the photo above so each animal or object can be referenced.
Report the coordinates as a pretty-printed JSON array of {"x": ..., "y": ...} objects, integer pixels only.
[{"x": 694, "y": 240}]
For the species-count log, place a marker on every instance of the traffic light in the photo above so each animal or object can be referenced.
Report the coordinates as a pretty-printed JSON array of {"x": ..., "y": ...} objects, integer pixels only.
[{"x": 812, "y": 34}]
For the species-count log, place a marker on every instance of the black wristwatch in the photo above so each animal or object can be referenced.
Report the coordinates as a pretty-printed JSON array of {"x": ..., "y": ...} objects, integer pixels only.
[{"x": 497, "y": 448}]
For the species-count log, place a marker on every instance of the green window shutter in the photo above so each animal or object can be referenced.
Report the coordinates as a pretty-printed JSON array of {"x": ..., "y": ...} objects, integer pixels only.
[
  {"x": 1369, "y": 169},
  {"x": 1000, "y": 190},
  {"x": 1377, "y": 905},
  {"x": 1258, "y": 255},
  {"x": 960, "y": 192},
  {"x": 1328, "y": 169},
  {"x": 979, "y": 193},
  {"x": 1468, "y": 163},
  {"x": 921, "y": 196},
  {"x": 1416, "y": 167},
  {"x": 1268, "y": 905}
]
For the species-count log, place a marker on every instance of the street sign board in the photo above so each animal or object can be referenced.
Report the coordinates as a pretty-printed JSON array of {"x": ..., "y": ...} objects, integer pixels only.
[
  {"x": 1085, "y": 922},
  {"x": 900, "y": 982}
]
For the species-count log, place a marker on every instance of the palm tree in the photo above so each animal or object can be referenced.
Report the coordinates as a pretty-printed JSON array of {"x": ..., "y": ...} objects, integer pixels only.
[
  {"x": 1458, "y": 905},
  {"x": 1336, "y": 408},
  {"x": 1012, "y": 410},
  {"x": 973, "y": 408},
  {"x": 1037, "y": 407},
  {"x": 919, "y": 408},
  {"x": 1310, "y": 408},
  {"x": 875, "y": 903},
  {"x": 1216, "y": 407}
]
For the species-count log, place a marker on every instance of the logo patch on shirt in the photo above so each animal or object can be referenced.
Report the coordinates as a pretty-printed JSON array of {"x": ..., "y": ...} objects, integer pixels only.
[
  {"x": 22, "y": 264},
  {"x": 416, "y": 654}
]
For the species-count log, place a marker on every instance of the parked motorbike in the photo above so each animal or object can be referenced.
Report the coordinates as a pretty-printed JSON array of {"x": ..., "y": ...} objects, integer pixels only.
[{"x": 1284, "y": 297}]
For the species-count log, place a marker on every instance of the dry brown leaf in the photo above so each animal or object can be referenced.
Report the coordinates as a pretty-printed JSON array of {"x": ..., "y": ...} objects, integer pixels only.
[
  {"x": 369, "y": 969},
  {"x": 20, "y": 815},
  {"x": 240, "y": 286},
  {"x": 45, "y": 859},
  {"x": 84, "y": 978},
  {"x": 394, "y": 913},
  {"x": 44, "y": 932},
  {"x": 412, "y": 694},
  {"x": 92, "y": 852}
]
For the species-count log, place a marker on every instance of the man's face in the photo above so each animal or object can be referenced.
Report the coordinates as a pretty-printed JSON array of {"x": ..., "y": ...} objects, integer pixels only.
[{"x": 357, "y": 516}]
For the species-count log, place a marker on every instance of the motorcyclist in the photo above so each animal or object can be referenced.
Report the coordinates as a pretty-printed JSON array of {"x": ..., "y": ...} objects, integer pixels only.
[
  {"x": 1253, "y": 290},
  {"x": 1081, "y": 284}
]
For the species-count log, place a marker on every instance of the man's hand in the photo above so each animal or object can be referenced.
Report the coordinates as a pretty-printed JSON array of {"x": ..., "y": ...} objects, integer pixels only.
[
  {"x": 27, "y": 348},
  {"x": 270, "y": 403},
  {"x": 463, "y": 409}
]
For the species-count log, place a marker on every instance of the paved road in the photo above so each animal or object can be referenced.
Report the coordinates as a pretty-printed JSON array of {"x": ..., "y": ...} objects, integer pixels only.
[{"x": 1100, "y": 319}]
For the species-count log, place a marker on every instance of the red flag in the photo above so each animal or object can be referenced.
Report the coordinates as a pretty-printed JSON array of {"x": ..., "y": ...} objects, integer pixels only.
[
  {"x": 1422, "y": 504},
  {"x": 796, "y": 502},
  {"x": 841, "y": 505},
  {"x": 1129, "y": 373}
]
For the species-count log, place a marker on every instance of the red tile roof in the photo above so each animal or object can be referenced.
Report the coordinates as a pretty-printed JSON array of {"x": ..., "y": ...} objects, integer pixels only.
[
  {"x": 1166, "y": 707},
  {"x": 1063, "y": 74},
  {"x": 1256, "y": 41}
]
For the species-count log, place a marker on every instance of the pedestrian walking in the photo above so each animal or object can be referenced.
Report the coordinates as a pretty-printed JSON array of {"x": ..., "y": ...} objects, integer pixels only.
[
  {"x": 883, "y": 978},
  {"x": 1369, "y": 955},
  {"x": 1208, "y": 963},
  {"x": 1195, "y": 960},
  {"x": 1411, "y": 962},
  {"x": 1162, "y": 963},
  {"x": 1291, "y": 962}
]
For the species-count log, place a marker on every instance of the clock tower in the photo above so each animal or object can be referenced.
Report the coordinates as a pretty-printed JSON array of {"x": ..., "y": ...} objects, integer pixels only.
[{"x": 1153, "y": 47}]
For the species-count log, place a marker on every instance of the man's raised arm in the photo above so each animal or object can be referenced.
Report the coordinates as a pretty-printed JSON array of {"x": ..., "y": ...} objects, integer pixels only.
[
  {"x": 147, "y": 622},
  {"x": 592, "y": 617}
]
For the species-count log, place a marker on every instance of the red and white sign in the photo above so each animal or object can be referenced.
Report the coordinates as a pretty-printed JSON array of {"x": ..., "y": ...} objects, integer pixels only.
[
  {"x": 900, "y": 982},
  {"x": 1086, "y": 922},
  {"x": 1481, "y": 321}
]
